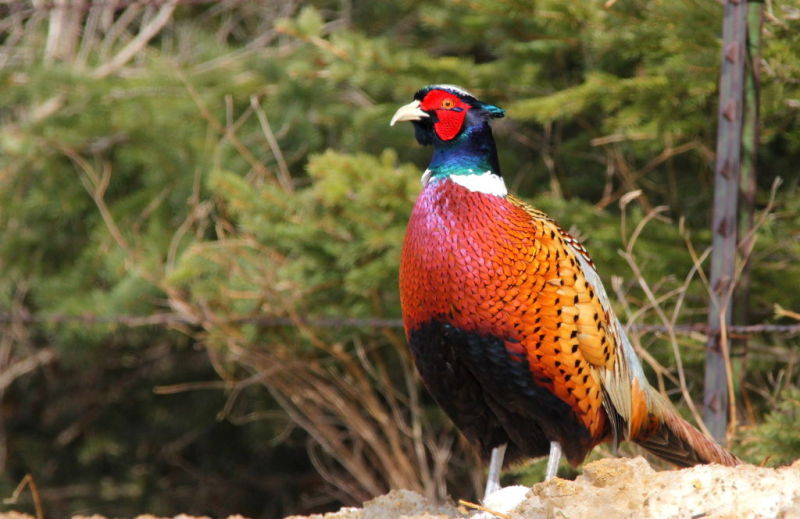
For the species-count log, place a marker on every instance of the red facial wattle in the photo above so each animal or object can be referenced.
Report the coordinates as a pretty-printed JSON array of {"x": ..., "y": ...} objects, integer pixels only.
[{"x": 450, "y": 113}]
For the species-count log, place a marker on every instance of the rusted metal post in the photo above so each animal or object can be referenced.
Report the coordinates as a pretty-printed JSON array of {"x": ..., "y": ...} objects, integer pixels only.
[{"x": 725, "y": 220}]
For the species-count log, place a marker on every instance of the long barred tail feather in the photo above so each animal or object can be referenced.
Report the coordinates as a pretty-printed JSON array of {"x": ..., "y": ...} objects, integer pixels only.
[{"x": 677, "y": 441}]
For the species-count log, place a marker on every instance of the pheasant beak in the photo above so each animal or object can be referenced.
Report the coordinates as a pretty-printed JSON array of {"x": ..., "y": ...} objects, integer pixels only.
[{"x": 409, "y": 112}]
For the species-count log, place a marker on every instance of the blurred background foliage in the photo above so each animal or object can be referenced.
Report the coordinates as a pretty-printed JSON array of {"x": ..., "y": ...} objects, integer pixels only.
[{"x": 202, "y": 210}]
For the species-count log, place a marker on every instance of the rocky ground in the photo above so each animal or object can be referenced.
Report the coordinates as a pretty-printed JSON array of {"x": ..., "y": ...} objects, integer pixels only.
[
  {"x": 609, "y": 489},
  {"x": 625, "y": 488}
]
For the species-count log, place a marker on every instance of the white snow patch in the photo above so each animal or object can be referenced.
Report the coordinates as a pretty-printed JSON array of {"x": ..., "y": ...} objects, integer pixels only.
[{"x": 504, "y": 500}]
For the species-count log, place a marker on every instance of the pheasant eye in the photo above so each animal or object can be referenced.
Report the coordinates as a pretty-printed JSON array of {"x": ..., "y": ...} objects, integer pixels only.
[{"x": 448, "y": 103}]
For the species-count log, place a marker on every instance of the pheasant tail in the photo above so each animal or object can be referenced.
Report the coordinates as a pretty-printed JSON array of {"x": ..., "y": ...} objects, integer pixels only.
[{"x": 674, "y": 439}]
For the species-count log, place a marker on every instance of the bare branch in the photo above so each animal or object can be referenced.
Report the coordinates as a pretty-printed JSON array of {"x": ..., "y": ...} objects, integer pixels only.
[
  {"x": 24, "y": 366},
  {"x": 138, "y": 43},
  {"x": 284, "y": 177}
]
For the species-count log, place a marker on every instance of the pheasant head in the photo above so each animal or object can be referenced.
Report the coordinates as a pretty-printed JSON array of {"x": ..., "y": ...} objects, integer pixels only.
[{"x": 456, "y": 123}]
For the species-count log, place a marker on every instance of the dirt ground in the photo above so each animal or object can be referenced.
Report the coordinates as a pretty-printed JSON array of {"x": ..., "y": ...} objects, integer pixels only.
[{"x": 608, "y": 489}]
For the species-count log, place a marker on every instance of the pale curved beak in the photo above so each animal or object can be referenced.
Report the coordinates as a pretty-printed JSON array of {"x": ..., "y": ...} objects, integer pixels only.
[{"x": 409, "y": 112}]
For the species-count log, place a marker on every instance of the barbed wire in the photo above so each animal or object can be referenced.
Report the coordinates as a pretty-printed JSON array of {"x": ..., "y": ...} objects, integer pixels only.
[{"x": 168, "y": 319}]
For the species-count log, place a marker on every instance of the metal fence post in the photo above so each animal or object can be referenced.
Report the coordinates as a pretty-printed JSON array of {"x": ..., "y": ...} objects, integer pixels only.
[{"x": 725, "y": 220}]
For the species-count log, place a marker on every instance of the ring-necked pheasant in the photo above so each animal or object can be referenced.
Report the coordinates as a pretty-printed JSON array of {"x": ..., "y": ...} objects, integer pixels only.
[{"x": 507, "y": 319}]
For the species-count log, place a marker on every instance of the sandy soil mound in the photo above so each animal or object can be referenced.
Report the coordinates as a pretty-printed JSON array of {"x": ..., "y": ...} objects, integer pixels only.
[
  {"x": 609, "y": 489},
  {"x": 626, "y": 489}
]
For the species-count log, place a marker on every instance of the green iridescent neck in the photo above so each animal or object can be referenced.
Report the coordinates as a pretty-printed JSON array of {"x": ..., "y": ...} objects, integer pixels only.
[{"x": 471, "y": 153}]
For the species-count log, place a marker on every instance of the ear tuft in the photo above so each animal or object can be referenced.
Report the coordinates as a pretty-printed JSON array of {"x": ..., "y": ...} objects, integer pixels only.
[{"x": 495, "y": 112}]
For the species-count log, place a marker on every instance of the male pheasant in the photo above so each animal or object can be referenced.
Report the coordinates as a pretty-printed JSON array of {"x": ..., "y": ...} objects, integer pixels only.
[{"x": 507, "y": 319}]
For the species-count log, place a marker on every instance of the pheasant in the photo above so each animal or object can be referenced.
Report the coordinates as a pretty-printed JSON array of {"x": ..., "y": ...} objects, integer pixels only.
[{"x": 506, "y": 317}]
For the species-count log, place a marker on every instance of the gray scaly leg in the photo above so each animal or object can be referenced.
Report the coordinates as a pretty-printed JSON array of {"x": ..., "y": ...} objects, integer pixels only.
[
  {"x": 552, "y": 461},
  {"x": 495, "y": 466}
]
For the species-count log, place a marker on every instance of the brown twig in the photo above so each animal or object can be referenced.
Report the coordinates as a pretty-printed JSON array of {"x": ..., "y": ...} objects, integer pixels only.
[
  {"x": 670, "y": 329},
  {"x": 146, "y": 33},
  {"x": 226, "y": 131},
  {"x": 482, "y": 508},
  {"x": 780, "y": 311},
  {"x": 29, "y": 482},
  {"x": 25, "y": 365},
  {"x": 284, "y": 177},
  {"x": 317, "y": 42}
]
